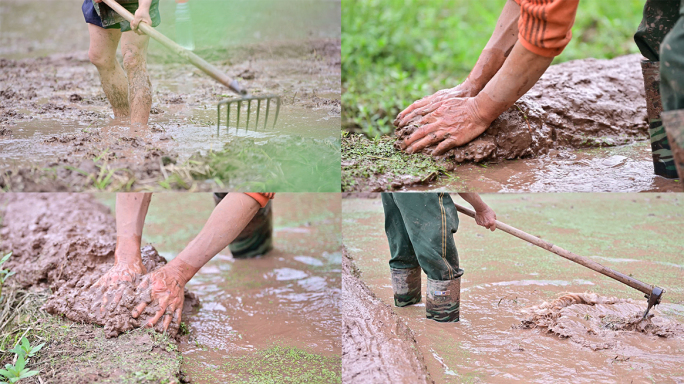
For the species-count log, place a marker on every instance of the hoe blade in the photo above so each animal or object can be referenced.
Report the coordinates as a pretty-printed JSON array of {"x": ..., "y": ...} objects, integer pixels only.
[{"x": 243, "y": 107}]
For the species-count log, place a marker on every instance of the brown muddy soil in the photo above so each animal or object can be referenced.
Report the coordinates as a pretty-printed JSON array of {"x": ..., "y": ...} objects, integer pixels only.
[
  {"x": 378, "y": 346},
  {"x": 577, "y": 104},
  {"x": 65, "y": 242},
  {"x": 598, "y": 322},
  {"x": 57, "y": 131}
]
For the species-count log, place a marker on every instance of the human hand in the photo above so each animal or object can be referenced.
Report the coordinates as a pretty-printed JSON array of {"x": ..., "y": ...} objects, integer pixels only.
[
  {"x": 165, "y": 289},
  {"x": 486, "y": 218},
  {"x": 452, "y": 123},
  {"x": 429, "y": 103},
  {"x": 108, "y": 284},
  {"x": 141, "y": 15}
]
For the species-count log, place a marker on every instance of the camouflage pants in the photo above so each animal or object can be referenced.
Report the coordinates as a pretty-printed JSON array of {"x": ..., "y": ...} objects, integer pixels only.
[
  {"x": 112, "y": 20},
  {"x": 420, "y": 228},
  {"x": 660, "y": 38}
]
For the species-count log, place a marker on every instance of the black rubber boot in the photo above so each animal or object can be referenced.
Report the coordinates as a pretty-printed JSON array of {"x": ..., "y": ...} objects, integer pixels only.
[
  {"x": 663, "y": 162},
  {"x": 443, "y": 300},
  {"x": 406, "y": 286}
]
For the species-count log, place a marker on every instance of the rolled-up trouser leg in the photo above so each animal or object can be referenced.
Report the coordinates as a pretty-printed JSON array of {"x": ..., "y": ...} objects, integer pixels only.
[
  {"x": 663, "y": 164},
  {"x": 257, "y": 237},
  {"x": 406, "y": 286},
  {"x": 674, "y": 125},
  {"x": 443, "y": 299}
]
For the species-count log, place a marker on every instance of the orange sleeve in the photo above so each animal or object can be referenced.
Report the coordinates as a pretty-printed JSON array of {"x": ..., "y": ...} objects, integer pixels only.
[
  {"x": 545, "y": 26},
  {"x": 261, "y": 198}
]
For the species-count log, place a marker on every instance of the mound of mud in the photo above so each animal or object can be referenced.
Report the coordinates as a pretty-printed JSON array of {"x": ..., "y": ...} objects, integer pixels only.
[
  {"x": 378, "y": 346},
  {"x": 580, "y": 103},
  {"x": 597, "y": 322},
  {"x": 65, "y": 242}
]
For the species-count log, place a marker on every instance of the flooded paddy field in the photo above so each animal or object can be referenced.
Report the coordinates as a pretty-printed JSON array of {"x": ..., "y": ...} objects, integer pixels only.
[
  {"x": 55, "y": 119},
  {"x": 506, "y": 278},
  {"x": 253, "y": 320}
]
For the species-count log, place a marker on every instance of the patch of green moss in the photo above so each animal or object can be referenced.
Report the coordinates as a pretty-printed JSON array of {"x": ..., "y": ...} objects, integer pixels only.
[
  {"x": 285, "y": 365},
  {"x": 376, "y": 164}
]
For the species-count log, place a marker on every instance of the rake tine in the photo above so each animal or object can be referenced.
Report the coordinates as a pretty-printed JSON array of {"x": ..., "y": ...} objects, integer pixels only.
[
  {"x": 249, "y": 108},
  {"x": 277, "y": 112},
  {"x": 268, "y": 105},
  {"x": 218, "y": 120},
  {"x": 228, "y": 118},
  {"x": 239, "y": 106},
  {"x": 256, "y": 125}
]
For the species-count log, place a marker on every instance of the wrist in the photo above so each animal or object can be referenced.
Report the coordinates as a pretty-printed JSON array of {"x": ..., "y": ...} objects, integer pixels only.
[
  {"x": 479, "y": 112},
  {"x": 181, "y": 270}
]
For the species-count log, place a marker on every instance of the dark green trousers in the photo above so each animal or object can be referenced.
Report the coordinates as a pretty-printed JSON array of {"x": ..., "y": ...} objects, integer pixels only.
[
  {"x": 420, "y": 228},
  {"x": 660, "y": 37}
]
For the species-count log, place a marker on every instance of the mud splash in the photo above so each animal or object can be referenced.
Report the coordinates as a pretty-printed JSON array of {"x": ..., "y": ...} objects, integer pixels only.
[
  {"x": 578, "y": 104},
  {"x": 378, "y": 346},
  {"x": 597, "y": 322},
  {"x": 65, "y": 242}
]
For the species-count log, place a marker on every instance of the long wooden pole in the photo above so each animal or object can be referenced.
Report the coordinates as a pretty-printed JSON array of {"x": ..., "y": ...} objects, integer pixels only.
[
  {"x": 180, "y": 51},
  {"x": 621, "y": 277}
]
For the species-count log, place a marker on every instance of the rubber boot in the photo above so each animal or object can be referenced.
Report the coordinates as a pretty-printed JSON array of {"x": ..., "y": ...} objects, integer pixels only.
[
  {"x": 663, "y": 162},
  {"x": 406, "y": 286},
  {"x": 674, "y": 126},
  {"x": 443, "y": 300},
  {"x": 257, "y": 237}
]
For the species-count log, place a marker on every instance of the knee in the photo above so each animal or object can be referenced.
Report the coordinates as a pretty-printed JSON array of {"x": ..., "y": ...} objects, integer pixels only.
[
  {"x": 132, "y": 60},
  {"x": 101, "y": 60}
]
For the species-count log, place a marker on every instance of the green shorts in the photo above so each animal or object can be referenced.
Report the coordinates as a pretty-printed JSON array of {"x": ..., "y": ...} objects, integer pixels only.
[{"x": 108, "y": 19}]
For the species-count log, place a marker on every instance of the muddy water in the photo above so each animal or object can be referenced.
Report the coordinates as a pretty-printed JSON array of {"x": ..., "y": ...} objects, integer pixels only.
[
  {"x": 52, "y": 92},
  {"x": 286, "y": 299},
  {"x": 626, "y": 168},
  {"x": 505, "y": 276}
]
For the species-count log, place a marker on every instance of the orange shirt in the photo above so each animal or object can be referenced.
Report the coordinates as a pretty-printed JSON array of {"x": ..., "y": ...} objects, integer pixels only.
[
  {"x": 545, "y": 26},
  {"x": 261, "y": 198}
]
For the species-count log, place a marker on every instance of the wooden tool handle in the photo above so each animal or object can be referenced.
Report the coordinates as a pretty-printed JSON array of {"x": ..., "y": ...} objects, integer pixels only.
[
  {"x": 180, "y": 51},
  {"x": 632, "y": 282}
]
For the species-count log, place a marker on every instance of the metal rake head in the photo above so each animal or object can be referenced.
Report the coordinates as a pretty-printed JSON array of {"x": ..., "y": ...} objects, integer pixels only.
[{"x": 245, "y": 103}]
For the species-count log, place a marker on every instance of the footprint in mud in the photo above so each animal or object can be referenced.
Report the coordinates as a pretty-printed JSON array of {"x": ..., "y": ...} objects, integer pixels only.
[{"x": 597, "y": 322}]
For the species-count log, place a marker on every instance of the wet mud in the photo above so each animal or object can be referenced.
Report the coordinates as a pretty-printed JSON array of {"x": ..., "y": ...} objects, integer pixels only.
[
  {"x": 596, "y": 321},
  {"x": 57, "y": 131},
  {"x": 505, "y": 277},
  {"x": 378, "y": 346},
  {"x": 272, "y": 318},
  {"x": 577, "y": 104},
  {"x": 65, "y": 242}
]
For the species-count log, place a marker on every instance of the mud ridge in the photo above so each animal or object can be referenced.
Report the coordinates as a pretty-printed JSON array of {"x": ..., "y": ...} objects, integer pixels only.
[
  {"x": 379, "y": 346},
  {"x": 596, "y": 321},
  {"x": 65, "y": 242},
  {"x": 577, "y": 104}
]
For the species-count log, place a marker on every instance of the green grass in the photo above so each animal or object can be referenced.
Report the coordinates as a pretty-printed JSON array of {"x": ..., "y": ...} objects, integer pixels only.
[{"x": 397, "y": 51}]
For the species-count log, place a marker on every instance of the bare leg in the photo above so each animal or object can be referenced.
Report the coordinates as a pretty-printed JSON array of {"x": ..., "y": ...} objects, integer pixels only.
[
  {"x": 102, "y": 54},
  {"x": 134, "y": 52}
]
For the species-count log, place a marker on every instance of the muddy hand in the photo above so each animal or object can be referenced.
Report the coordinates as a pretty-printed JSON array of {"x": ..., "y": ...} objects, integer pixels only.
[
  {"x": 164, "y": 287},
  {"x": 141, "y": 15},
  {"x": 430, "y": 103},
  {"x": 455, "y": 123},
  {"x": 108, "y": 283},
  {"x": 486, "y": 218}
]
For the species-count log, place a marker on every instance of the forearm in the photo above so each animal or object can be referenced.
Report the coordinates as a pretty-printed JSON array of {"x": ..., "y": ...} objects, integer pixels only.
[
  {"x": 145, "y": 5},
  {"x": 519, "y": 73},
  {"x": 497, "y": 49},
  {"x": 131, "y": 209},
  {"x": 226, "y": 222},
  {"x": 474, "y": 200}
]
